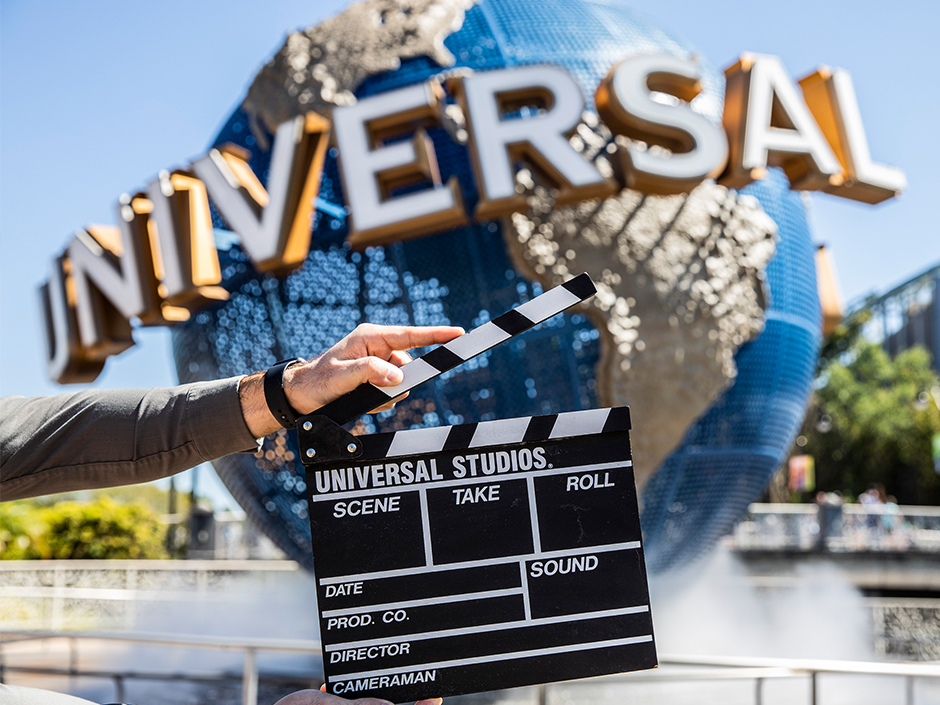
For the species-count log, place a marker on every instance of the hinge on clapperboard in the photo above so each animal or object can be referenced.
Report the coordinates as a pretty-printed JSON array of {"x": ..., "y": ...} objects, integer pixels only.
[{"x": 321, "y": 434}]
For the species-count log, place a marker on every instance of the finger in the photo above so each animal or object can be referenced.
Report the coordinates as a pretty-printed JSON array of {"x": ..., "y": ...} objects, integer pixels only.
[
  {"x": 399, "y": 358},
  {"x": 390, "y": 405},
  {"x": 431, "y": 701},
  {"x": 379, "y": 338}
]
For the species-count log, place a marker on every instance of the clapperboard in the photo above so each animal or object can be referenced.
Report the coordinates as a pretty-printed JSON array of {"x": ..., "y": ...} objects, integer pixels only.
[{"x": 481, "y": 556}]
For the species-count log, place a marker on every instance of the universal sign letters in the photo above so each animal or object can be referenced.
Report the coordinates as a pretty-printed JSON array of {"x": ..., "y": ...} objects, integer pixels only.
[{"x": 159, "y": 264}]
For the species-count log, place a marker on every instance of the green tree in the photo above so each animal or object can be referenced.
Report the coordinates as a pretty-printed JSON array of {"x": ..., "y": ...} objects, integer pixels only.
[
  {"x": 22, "y": 531},
  {"x": 872, "y": 420},
  {"x": 102, "y": 528}
]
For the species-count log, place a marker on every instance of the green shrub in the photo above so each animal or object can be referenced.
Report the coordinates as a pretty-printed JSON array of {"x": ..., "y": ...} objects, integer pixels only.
[
  {"x": 99, "y": 529},
  {"x": 22, "y": 531}
]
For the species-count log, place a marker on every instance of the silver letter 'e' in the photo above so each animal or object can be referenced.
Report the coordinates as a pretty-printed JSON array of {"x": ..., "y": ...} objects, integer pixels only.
[{"x": 372, "y": 170}]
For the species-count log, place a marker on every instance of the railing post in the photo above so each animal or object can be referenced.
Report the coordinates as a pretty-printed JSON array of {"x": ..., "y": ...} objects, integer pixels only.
[
  {"x": 250, "y": 679},
  {"x": 58, "y": 598},
  {"x": 813, "y": 694},
  {"x": 759, "y": 691},
  {"x": 130, "y": 605},
  {"x": 909, "y": 683},
  {"x": 119, "y": 689},
  {"x": 73, "y": 662}
]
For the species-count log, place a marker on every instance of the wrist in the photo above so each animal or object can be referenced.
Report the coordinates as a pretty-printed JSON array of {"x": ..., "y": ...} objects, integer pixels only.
[
  {"x": 275, "y": 394},
  {"x": 258, "y": 417},
  {"x": 293, "y": 388}
]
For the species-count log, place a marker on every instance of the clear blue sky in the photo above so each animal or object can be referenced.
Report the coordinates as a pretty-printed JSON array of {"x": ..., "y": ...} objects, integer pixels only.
[{"x": 96, "y": 97}]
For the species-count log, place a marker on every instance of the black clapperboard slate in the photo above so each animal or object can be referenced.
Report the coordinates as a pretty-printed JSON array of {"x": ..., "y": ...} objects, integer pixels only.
[{"x": 477, "y": 557}]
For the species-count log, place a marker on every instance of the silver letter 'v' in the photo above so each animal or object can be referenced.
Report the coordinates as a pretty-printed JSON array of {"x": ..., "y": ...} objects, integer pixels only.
[{"x": 273, "y": 223}]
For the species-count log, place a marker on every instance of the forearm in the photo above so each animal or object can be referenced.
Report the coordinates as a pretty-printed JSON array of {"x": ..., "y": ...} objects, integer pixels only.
[{"x": 102, "y": 438}]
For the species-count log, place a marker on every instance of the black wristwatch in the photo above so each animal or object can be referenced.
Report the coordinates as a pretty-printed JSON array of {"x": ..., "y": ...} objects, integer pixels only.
[{"x": 274, "y": 392}]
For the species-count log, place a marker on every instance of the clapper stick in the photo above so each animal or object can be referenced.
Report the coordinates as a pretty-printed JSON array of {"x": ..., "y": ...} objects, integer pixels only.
[
  {"x": 448, "y": 356},
  {"x": 321, "y": 435}
]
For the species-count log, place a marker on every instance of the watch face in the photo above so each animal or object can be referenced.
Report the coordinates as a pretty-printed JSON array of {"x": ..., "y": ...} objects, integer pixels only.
[{"x": 288, "y": 362}]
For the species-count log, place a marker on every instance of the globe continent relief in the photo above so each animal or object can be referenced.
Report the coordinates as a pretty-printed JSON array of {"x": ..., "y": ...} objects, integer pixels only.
[{"x": 706, "y": 321}]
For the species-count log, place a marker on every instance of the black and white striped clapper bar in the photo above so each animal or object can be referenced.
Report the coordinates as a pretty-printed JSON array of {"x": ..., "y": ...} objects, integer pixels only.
[{"x": 477, "y": 557}]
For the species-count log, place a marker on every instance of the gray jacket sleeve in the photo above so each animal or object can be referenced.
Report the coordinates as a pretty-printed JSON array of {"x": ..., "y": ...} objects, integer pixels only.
[{"x": 102, "y": 438}]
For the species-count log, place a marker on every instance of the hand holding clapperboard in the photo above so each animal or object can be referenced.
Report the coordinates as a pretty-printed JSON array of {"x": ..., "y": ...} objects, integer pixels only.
[{"x": 476, "y": 557}]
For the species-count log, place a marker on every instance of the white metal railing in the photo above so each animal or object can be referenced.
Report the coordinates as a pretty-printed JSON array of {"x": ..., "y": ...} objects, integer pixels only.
[
  {"x": 55, "y": 595},
  {"x": 107, "y": 595},
  {"x": 812, "y": 668},
  {"x": 249, "y": 648},
  {"x": 681, "y": 667},
  {"x": 838, "y": 528}
]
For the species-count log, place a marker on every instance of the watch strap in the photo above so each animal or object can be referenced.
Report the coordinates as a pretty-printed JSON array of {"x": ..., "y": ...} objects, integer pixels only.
[{"x": 274, "y": 394}]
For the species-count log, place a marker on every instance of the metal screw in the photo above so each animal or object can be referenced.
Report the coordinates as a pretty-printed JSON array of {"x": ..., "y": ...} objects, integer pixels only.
[
  {"x": 352, "y": 447},
  {"x": 311, "y": 452},
  {"x": 307, "y": 425}
]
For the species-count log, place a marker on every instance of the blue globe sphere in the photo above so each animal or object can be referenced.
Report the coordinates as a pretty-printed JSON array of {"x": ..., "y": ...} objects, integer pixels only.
[{"x": 465, "y": 277}]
